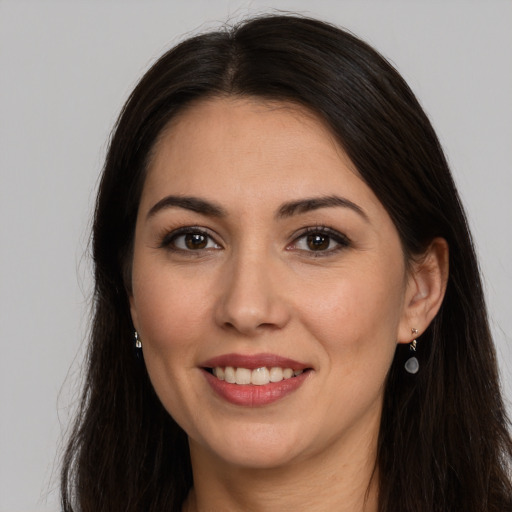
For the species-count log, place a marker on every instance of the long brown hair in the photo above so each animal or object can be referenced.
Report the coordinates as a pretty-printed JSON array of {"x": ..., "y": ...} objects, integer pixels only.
[{"x": 444, "y": 443}]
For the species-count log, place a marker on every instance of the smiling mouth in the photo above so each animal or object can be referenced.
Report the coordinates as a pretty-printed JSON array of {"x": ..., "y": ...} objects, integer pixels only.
[{"x": 256, "y": 377}]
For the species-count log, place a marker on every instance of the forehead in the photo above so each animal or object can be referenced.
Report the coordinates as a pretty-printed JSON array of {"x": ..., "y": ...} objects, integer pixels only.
[{"x": 244, "y": 149}]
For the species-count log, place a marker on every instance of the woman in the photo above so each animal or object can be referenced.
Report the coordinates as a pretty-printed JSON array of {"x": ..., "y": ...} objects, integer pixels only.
[{"x": 288, "y": 308}]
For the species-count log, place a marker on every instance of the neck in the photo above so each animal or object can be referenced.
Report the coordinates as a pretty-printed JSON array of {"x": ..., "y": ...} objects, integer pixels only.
[{"x": 342, "y": 478}]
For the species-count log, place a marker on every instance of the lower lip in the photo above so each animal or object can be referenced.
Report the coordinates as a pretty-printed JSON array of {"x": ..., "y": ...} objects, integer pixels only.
[{"x": 254, "y": 396}]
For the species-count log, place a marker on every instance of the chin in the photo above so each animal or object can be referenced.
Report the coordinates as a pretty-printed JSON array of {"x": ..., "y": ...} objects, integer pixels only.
[
  {"x": 258, "y": 458},
  {"x": 258, "y": 448}
]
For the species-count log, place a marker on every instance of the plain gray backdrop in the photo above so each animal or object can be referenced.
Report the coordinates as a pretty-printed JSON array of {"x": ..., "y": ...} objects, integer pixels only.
[{"x": 65, "y": 70}]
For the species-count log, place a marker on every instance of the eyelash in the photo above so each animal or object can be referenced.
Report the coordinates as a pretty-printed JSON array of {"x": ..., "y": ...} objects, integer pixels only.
[
  {"x": 341, "y": 241},
  {"x": 168, "y": 240}
]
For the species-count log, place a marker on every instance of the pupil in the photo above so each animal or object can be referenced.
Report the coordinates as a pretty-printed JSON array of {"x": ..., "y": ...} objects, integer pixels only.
[
  {"x": 195, "y": 241},
  {"x": 318, "y": 242}
]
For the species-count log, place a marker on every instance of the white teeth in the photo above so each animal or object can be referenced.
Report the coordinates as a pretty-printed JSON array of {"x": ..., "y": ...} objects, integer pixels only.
[
  {"x": 229, "y": 374},
  {"x": 260, "y": 376},
  {"x": 276, "y": 374},
  {"x": 256, "y": 377},
  {"x": 243, "y": 376},
  {"x": 219, "y": 373},
  {"x": 287, "y": 373}
]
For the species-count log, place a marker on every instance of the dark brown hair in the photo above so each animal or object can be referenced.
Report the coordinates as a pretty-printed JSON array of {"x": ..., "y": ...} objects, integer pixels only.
[{"x": 443, "y": 442}]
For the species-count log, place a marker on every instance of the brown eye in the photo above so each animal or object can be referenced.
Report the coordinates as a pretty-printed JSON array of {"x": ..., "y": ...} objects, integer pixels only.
[
  {"x": 195, "y": 241},
  {"x": 318, "y": 242},
  {"x": 189, "y": 239}
]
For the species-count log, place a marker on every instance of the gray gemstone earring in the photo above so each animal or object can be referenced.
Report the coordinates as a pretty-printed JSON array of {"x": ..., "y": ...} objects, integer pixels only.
[
  {"x": 412, "y": 365},
  {"x": 138, "y": 343}
]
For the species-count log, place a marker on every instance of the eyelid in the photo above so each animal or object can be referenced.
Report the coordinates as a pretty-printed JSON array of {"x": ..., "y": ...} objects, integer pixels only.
[
  {"x": 342, "y": 240},
  {"x": 167, "y": 237}
]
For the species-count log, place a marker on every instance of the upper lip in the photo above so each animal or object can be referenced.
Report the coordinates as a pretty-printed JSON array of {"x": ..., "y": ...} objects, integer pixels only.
[{"x": 254, "y": 361}]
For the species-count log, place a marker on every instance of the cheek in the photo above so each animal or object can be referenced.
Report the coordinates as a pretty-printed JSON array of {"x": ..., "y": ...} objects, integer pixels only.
[
  {"x": 171, "y": 317},
  {"x": 356, "y": 317},
  {"x": 356, "y": 322},
  {"x": 357, "y": 301},
  {"x": 171, "y": 311}
]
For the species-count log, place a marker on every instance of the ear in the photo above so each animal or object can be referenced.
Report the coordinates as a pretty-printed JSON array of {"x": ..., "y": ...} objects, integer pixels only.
[{"x": 426, "y": 286}]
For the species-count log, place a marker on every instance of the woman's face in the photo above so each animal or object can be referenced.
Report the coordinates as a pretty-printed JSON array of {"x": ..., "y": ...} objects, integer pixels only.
[{"x": 260, "y": 252}]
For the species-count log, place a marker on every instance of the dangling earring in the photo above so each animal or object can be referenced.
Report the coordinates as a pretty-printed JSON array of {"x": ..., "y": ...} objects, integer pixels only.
[
  {"x": 138, "y": 343},
  {"x": 412, "y": 365}
]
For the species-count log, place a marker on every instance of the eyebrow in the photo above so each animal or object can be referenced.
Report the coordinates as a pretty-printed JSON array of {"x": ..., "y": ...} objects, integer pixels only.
[
  {"x": 288, "y": 209},
  {"x": 193, "y": 204},
  {"x": 315, "y": 203}
]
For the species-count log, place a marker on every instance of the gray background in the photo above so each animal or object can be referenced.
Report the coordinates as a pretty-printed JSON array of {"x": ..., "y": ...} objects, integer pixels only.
[{"x": 65, "y": 70}]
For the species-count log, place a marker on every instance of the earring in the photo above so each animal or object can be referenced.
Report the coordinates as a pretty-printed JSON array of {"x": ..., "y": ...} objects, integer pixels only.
[
  {"x": 412, "y": 365},
  {"x": 138, "y": 343}
]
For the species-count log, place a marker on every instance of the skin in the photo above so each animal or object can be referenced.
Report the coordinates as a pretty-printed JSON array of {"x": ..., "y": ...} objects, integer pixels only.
[{"x": 259, "y": 287}]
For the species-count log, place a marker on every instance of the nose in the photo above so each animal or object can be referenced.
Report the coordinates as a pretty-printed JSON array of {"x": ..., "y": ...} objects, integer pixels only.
[{"x": 252, "y": 300}]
